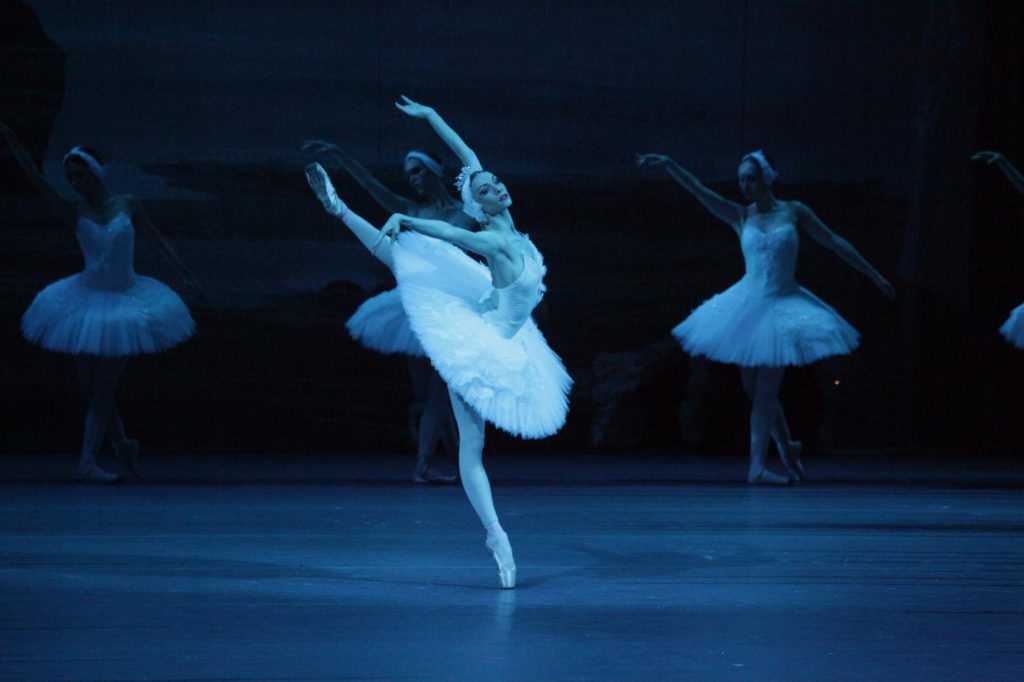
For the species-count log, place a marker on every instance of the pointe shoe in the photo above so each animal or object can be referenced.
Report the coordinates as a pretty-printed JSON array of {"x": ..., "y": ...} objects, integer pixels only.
[
  {"x": 91, "y": 473},
  {"x": 501, "y": 551},
  {"x": 765, "y": 476},
  {"x": 428, "y": 474},
  {"x": 791, "y": 460},
  {"x": 128, "y": 454}
]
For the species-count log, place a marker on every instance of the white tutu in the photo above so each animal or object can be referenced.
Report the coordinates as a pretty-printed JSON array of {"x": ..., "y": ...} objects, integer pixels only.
[
  {"x": 517, "y": 383},
  {"x": 766, "y": 319},
  {"x": 70, "y": 317},
  {"x": 1013, "y": 329},
  {"x": 741, "y": 327},
  {"x": 107, "y": 309},
  {"x": 381, "y": 324}
]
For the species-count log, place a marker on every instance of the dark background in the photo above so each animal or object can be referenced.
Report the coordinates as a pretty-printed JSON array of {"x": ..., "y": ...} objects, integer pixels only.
[{"x": 870, "y": 108}]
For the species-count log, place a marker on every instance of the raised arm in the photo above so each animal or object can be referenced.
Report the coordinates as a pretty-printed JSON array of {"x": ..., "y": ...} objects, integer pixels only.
[
  {"x": 444, "y": 131},
  {"x": 483, "y": 243},
  {"x": 819, "y": 232},
  {"x": 368, "y": 235},
  {"x": 388, "y": 200},
  {"x": 141, "y": 220},
  {"x": 64, "y": 209},
  {"x": 727, "y": 211},
  {"x": 1011, "y": 173}
]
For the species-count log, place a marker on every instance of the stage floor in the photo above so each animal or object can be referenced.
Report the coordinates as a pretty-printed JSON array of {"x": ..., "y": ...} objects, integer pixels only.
[{"x": 270, "y": 572}]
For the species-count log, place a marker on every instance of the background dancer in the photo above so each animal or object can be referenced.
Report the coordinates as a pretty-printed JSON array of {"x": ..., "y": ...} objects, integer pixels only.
[{"x": 766, "y": 321}]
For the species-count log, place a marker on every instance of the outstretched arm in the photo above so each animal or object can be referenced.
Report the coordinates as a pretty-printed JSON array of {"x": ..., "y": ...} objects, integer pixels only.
[
  {"x": 444, "y": 131},
  {"x": 368, "y": 235},
  {"x": 61, "y": 206},
  {"x": 140, "y": 219},
  {"x": 727, "y": 211},
  {"x": 820, "y": 233},
  {"x": 483, "y": 243},
  {"x": 1011, "y": 173},
  {"x": 388, "y": 200}
]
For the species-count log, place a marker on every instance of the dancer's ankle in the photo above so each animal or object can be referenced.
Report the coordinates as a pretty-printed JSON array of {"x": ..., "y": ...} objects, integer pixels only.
[{"x": 494, "y": 529}]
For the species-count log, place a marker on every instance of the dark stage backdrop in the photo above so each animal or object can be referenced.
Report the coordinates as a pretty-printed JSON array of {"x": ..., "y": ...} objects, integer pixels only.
[{"x": 870, "y": 107}]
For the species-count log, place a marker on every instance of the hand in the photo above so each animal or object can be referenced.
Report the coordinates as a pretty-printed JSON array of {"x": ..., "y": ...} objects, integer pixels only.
[
  {"x": 887, "y": 289},
  {"x": 652, "y": 160},
  {"x": 321, "y": 185},
  {"x": 393, "y": 226},
  {"x": 413, "y": 109},
  {"x": 987, "y": 157}
]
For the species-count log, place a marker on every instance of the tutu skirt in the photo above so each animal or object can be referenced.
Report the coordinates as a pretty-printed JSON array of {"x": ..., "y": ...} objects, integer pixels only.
[
  {"x": 742, "y": 326},
  {"x": 1013, "y": 329},
  {"x": 518, "y": 384},
  {"x": 381, "y": 324},
  {"x": 70, "y": 317}
]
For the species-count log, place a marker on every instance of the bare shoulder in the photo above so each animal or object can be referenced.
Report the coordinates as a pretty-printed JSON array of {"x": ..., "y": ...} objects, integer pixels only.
[{"x": 797, "y": 207}]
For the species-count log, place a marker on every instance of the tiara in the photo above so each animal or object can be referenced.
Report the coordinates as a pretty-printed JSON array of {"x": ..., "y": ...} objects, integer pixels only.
[{"x": 464, "y": 176}]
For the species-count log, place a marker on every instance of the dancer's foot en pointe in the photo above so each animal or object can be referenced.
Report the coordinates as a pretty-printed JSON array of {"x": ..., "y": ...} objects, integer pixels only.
[
  {"x": 790, "y": 455},
  {"x": 501, "y": 551}
]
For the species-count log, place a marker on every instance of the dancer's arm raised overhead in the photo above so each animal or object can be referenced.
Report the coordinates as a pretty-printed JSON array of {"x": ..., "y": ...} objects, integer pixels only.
[
  {"x": 368, "y": 235},
  {"x": 727, "y": 211},
  {"x": 141, "y": 220},
  {"x": 64, "y": 209},
  {"x": 388, "y": 200},
  {"x": 1012, "y": 174},
  {"x": 819, "y": 232},
  {"x": 443, "y": 130}
]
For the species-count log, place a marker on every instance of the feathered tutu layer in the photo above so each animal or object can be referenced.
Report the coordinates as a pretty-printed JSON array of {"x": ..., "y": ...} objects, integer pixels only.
[
  {"x": 381, "y": 324},
  {"x": 1013, "y": 329},
  {"x": 518, "y": 384},
  {"x": 70, "y": 317},
  {"x": 741, "y": 326}
]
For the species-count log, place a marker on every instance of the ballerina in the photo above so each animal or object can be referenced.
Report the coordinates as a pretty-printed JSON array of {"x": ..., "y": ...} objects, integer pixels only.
[
  {"x": 380, "y": 322},
  {"x": 474, "y": 323},
  {"x": 1013, "y": 329},
  {"x": 106, "y": 313},
  {"x": 766, "y": 321}
]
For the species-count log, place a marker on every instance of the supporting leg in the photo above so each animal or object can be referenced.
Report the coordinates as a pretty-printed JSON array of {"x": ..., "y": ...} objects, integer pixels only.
[
  {"x": 789, "y": 449},
  {"x": 763, "y": 416},
  {"x": 478, "y": 488},
  {"x": 99, "y": 378}
]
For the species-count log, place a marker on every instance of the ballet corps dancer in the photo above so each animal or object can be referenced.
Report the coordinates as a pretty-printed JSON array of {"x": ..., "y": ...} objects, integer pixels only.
[
  {"x": 473, "y": 320},
  {"x": 106, "y": 313},
  {"x": 766, "y": 321}
]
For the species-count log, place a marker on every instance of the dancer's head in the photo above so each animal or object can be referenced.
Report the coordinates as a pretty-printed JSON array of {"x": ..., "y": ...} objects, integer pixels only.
[
  {"x": 483, "y": 194},
  {"x": 424, "y": 172},
  {"x": 756, "y": 174},
  {"x": 85, "y": 170}
]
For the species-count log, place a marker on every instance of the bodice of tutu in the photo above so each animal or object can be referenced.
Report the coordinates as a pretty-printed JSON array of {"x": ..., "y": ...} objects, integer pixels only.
[
  {"x": 770, "y": 258},
  {"x": 510, "y": 307},
  {"x": 108, "y": 251}
]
